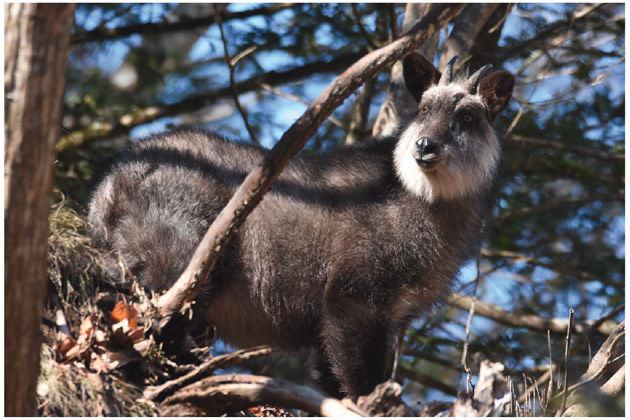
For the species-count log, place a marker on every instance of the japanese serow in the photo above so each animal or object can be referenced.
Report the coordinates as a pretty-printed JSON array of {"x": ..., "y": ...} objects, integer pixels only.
[{"x": 344, "y": 251}]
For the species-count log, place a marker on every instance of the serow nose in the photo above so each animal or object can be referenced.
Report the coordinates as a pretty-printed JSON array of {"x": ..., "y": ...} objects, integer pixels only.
[{"x": 426, "y": 147}]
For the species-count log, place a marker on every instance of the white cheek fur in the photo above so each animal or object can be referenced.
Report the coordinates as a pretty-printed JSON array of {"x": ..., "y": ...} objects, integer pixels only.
[{"x": 451, "y": 180}]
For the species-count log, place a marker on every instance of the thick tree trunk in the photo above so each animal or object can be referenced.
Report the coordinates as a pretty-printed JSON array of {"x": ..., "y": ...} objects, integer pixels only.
[
  {"x": 465, "y": 30},
  {"x": 36, "y": 47}
]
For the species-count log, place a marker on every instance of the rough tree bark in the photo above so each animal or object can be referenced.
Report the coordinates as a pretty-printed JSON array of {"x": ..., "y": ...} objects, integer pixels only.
[
  {"x": 262, "y": 177},
  {"x": 603, "y": 380},
  {"x": 36, "y": 46},
  {"x": 465, "y": 30}
]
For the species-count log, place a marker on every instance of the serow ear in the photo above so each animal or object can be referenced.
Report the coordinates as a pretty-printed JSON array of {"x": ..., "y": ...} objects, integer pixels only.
[
  {"x": 496, "y": 91},
  {"x": 419, "y": 75}
]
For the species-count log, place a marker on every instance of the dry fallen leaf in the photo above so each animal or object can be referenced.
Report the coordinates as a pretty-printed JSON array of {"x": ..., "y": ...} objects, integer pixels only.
[
  {"x": 125, "y": 324},
  {"x": 64, "y": 343},
  {"x": 123, "y": 311}
]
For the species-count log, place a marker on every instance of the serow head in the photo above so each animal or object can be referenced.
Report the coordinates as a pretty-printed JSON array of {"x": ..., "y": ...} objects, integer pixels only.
[{"x": 450, "y": 149}]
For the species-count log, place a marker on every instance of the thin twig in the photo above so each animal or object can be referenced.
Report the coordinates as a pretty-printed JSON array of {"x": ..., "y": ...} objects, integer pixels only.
[
  {"x": 471, "y": 313},
  {"x": 550, "y": 386},
  {"x": 357, "y": 18},
  {"x": 465, "y": 367},
  {"x": 540, "y": 401},
  {"x": 231, "y": 64},
  {"x": 513, "y": 403},
  {"x": 567, "y": 349},
  {"x": 526, "y": 393}
]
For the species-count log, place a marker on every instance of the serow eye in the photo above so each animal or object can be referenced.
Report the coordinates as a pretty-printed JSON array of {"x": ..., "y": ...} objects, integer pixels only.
[
  {"x": 467, "y": 118},
  {"x": 424, "y": 109}
]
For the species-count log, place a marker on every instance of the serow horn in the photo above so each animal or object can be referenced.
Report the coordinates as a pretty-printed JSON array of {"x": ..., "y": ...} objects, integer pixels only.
[
  {"x": 447, "y": 77},
  {"x": 473, "y": 81}
]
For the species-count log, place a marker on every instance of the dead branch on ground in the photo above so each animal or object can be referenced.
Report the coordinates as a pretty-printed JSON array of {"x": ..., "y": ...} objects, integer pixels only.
[
  {"x": 158, "y": 393},
  {"x": 217, "y": 395}
]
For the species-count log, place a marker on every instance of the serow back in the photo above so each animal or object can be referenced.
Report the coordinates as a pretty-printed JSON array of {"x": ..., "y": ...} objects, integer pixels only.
[{"x": 345, "y": 250}]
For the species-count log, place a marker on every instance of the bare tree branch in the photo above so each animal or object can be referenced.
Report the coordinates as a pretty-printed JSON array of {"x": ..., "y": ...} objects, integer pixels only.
[
  {"x": 100, "y": 130},
  {"x": 546, "y": 32},
  {"x": 556, "y": 204},
  {"x": 158, "y": 393},
  {"x": 531, "y": 142},
  {"x": 533, "y": 322},
  {"x": 258, "y": 182},
  {"x": 360, "y": 111},
  {"x": 576, "y": 344},
  {"x": 102, "y": 34},
  {"x": 217, "y": 395},
  {"x": 518, "y": 257}
]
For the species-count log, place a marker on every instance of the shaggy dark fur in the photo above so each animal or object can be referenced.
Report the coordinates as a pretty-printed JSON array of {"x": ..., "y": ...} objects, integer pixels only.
[{"x": 340, "y": 255}]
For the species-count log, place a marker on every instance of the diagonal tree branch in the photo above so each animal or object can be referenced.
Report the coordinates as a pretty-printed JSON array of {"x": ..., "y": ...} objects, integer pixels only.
[{"x": 258, "y": 182}]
